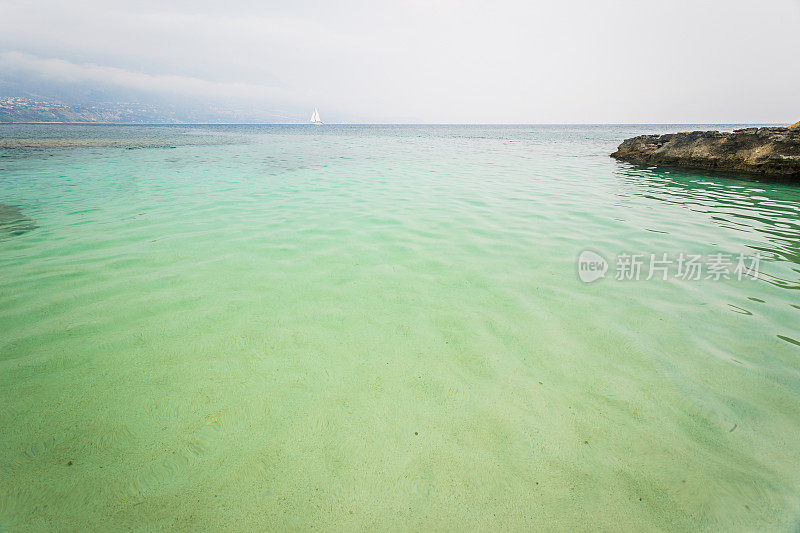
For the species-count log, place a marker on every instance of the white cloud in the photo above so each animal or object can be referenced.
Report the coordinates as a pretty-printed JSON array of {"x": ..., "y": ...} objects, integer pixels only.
[{"x": 66, "y": 71}]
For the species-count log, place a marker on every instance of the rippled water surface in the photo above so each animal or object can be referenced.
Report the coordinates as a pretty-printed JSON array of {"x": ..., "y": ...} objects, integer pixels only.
[{"x": 383, "y": 327}]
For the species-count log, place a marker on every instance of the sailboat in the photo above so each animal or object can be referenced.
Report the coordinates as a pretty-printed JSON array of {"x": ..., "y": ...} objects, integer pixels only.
[{"x": 315, "y": 117}]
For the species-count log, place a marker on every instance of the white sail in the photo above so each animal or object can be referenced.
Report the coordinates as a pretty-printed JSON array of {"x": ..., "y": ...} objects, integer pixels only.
[{"x": 315, "y": 116}]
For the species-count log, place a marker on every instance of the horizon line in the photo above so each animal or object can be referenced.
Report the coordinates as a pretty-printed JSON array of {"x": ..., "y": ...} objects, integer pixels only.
[{"x": 87, "y": 123}]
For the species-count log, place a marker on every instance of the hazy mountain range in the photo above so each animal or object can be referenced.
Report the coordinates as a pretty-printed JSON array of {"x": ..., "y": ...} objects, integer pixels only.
[{"x": 25, "y": 98}]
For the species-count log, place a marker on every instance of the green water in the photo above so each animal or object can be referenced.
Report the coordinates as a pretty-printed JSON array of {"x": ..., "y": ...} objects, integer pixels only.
[{"x": 251, "y": 328}]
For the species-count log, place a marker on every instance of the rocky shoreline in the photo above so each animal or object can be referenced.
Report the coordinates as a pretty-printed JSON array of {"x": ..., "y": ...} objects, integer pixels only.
[{"x": 768, "y": 151}]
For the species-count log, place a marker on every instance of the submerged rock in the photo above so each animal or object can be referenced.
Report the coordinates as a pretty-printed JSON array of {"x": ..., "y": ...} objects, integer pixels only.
[
  {"x": 768, "y": 151},
  {"x": 13, "y": 221}
]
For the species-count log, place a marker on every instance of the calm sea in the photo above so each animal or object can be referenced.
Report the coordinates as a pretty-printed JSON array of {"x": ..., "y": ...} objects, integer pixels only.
[{"x": 389, "y": 327}]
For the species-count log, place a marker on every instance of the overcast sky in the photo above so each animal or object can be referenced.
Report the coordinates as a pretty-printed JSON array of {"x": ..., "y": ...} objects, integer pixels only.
[{"x": 533, "y": 61}]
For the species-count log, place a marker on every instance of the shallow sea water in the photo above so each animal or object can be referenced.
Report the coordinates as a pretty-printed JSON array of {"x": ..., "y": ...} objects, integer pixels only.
[{"x": 352, "y": 327}]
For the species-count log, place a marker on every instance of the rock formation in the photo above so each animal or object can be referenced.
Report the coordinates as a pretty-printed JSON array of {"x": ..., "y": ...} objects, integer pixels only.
[{"x": 773, "y": 152}]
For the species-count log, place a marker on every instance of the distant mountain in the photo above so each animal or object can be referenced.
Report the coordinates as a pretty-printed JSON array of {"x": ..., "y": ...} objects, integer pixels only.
[
  {"x": 35, "y": 99},
  {"x": 25, "y": 109}
]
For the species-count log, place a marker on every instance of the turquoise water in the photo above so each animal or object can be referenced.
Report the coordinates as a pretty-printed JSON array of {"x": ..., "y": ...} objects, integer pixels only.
[{"x": 358, "y": 327}]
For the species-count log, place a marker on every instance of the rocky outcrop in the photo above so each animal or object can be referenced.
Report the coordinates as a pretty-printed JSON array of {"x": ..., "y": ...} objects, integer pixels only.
[{"x": 773, "y": 152}]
